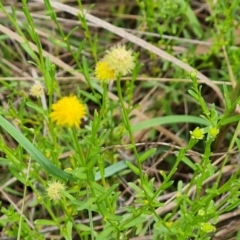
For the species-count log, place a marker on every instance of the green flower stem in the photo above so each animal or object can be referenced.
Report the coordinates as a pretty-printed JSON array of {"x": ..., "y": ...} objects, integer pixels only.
[
  {"x": 89, "y": 173},
  {"x": 128, "y": 126},
  {"x": 233, "y": 140},
  {"x": 180, "y": 156},
  {"x": 55, "y": 144},
  {"x": 78, "y": 148},
  {"x": 53, "y": 134},
  {"x": 204, "y": 163},
  {"x": 100, "y": 162},
  {"x": 102, "y": 113}
]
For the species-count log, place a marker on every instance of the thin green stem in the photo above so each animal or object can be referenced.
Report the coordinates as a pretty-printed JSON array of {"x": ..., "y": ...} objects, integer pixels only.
[
  {"x": 128, "y": 126},
  {"x": 233, "y": 140},
  {"x": 23, "y": 202}
]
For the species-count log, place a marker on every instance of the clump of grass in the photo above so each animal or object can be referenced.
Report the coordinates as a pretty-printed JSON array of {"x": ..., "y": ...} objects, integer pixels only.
[{"x": 99, "y": 147}]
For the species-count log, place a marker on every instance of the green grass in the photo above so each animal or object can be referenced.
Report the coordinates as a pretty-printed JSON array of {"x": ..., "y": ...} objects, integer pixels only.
[{"x": 156, "y": 156}]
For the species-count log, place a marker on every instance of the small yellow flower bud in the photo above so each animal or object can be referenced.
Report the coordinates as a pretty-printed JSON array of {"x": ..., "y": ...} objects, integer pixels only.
[
  {"x": 213, "y": 132},
  {"x": 197, "y": 133},
  {"x": 169, "y": 224},
  {"x": 207, "y": 227},
  {"x": 193, "y": 74},
  {"x": 201, "y": 213}
]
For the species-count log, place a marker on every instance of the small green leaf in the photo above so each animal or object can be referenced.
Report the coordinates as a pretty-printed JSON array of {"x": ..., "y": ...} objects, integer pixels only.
[
  {"x": 110, "y": 216},
  {"x": 168, "y": 120},
  {"x": 100, "y": 189},
  {"x": 134, "y": 222},
  {"x": 84, "y": 204},
  {"x": 135, "y": 187},
  {"x": 44, "y": 222},
  {"x": 35, "y": 107},
  {"x": 112, "y": 169},
  {"x": 238, "y": 144},
  {"x": 226, "y": 97},
  {"x": 189, "y": 163},
  {"x": 109, "y": 191},
  {"x": 133, "y": 168},
  {"x": 193, "y": 94},
  {"x": 147, "y": 154}
]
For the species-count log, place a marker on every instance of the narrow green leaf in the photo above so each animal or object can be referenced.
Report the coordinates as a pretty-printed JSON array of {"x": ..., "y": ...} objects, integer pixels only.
[
  {"x": 135, "y": 222},
  {"x": 69, "y": 230},
  {"x": 238, "y": 143},
  {"x": 105, "y": 233},
  {"x": 133, "y": 168},
  {"x": 35, "y": 107},
  {"x": 189, "y": 163},
  {"x": 193, "y": 94},
  {"x": 168, "y": 120},
  {"x": 100, "y": 189},
  {"x": 112, "y": 169},
  {"x": 109, "y": 191},
  {"x": 33, "y": 151},
  {"x": 231, "y": 119},
  {"x": 147, "y": 154},
  {"x": 44, "y": 222},
  {"x": 135, "y": 187},
  {"x": 110, "y": 216},
  {"x": 84, "y": 205},
  {"x": 191, "y": 16},
  {"x": 226, "y": 97}
]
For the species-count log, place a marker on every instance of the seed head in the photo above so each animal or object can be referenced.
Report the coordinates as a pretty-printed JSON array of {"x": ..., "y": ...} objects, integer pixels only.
[
  {"x": 54, "y": 190},
  {"x": 36, "y": 90}
]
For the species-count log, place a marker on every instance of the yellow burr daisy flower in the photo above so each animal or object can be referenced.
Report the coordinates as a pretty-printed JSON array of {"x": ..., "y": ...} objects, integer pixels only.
[
  {"x": 68, "y": 112},
  {"x": 120, "y": 60},
  {"x": 104, "y": 72}
]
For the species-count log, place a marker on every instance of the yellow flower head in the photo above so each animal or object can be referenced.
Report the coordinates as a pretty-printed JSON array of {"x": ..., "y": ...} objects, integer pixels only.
[
  {"x": 103, "y": 72},
  {"x": 68, "y": 112},
  {"x": 197, "y": 133},
  {"x": 208, "y": 227},
  {"x": 213, "y": 132},
  {"x": 36, "y": 90},
  {"x": 120, "y": 60},
  {"x": 54, "y": 190}
]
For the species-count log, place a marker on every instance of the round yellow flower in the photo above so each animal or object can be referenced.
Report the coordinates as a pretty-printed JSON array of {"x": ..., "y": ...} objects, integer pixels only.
[
  {"x": 103, "y": 72},
  {"x": 68, "y": 112},
  {"x": 120, "y": 60}
]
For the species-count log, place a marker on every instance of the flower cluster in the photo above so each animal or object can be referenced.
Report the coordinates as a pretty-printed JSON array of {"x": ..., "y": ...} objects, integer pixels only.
[
  {"x": 118, "y": 61},
  {"x": 68, "y": 112}
]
